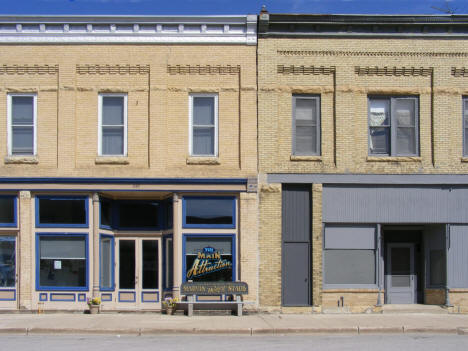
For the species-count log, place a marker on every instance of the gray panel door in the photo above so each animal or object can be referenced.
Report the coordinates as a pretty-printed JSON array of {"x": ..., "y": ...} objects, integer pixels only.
[
  {"x": 296, "y": 291},
  {"x": 401, "y": 279}
]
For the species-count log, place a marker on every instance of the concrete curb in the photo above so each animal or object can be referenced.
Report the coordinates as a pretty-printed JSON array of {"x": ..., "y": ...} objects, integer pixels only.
[{"x": 239, "y": 331}]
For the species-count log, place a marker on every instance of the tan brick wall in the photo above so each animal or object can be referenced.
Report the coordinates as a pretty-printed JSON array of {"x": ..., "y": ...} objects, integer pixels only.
[
  {"x": 434, "y": 296},
  {"x": 269, "y": 239},
  {"x": 353, "y": 301},
  {"x": 26, "y": 247},
  {"x": 440, "y": 153},
  {"x": 158, "y": 108},
  {"x": 459, "y": 300}
]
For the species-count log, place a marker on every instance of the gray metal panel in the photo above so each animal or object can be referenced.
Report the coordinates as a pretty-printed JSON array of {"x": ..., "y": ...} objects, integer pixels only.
[
  {"x": 394, "y": 204},
  {"x": 296, "y": 274},
  {"x": 415, "y": 179},
  {"x": 458, "y": 257},
  {"x": 296, "y": 213},
  {"x": 339, "y": 237}
]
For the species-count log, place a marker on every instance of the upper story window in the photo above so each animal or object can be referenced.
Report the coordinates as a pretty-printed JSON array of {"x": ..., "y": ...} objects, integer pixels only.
[
  {"x": 465, "y": 126},
  {"x": 112, "y": 125},
  {"x": 306, "y": 125},
  {"x": 22, "y": 121},
  {"x": 61, "y": 211},
  {"x": 203, "y": 125},
  {"x": 393, "y": 126}
]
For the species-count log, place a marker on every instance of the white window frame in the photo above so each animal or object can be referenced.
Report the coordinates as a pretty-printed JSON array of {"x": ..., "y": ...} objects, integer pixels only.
[
  {"x": 10, "y": 124},
  {"x": 125, "y": 98},
  {"x": 318, "y": 141},
  {"x": 215, "y": 96}
]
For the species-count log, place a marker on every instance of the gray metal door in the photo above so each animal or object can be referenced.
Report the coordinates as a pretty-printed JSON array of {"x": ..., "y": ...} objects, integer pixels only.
[
  {"x": 296, "y": 290},
  {"x": 401, "y": 278}
]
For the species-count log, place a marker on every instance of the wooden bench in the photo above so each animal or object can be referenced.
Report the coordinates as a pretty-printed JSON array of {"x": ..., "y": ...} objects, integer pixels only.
[{"x": 194, "y": 289}]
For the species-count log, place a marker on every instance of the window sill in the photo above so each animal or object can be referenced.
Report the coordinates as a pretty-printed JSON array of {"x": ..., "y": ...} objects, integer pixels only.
[
  {"x": 194, "y": 160},
  {"x": 111, "y": 160},
  {"x": 16, "y": 160},
  {"x": 394, "y": 158},
  {"x": 306, "y": 158}
]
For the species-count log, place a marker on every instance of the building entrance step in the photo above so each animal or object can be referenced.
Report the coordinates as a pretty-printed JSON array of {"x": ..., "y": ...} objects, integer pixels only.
[{"x": 413, "y": 308}]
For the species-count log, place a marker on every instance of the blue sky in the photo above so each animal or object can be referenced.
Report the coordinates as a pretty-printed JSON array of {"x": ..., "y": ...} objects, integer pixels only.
[{"x": 225, "y": 7}]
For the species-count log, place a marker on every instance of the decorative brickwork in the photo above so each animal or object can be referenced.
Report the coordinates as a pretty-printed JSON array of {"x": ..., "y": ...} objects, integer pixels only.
[
  {"x": 305, "y": 70},
  {"x": 199, "y": 69},
  {"x": 26, "y": 69},
  {"x": 459, "y": 72},
  {"x": 112, "y": 69},
  {"x": 369, "y": 53},
  {"x": 393, "y": 71}
]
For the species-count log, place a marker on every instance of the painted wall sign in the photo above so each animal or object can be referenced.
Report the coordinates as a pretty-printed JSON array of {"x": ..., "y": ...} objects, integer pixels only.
[
  {"x": 206, "y": 262},
  {"x": 215, "y": 288}
]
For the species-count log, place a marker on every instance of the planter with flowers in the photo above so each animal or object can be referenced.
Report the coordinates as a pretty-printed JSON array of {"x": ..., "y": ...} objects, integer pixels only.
[
  {"x": 94, "y": 305},
  {"x": 169, "y": 305}
]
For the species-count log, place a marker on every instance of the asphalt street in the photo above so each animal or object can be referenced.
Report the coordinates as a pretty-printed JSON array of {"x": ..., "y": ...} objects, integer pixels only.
[{"x": 234, "y": 342}]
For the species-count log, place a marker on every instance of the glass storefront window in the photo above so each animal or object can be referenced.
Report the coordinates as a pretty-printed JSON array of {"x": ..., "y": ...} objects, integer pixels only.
[
  {"x": 209, "y": 259},
  {"x": 203, "y": 212},
  {"x": 63, "y": 212},
  {"x": 107, "y": 263},
  {"x": 7, "y": 262},
  {"x": 62, "y": 262},
  {"x": 7, "y": 211}
]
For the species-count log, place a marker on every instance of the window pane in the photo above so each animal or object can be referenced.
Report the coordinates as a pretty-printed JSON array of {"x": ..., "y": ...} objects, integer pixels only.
[
  {"x": 62, "y": 273},
  {"x": 112, "y": 110},
  {"x": 106, "y": 263},
  {"x": 139, "y": 215},
  {"x": 379, "y": 140},
  {"x": 62, "y": 247},
  {"x": 379, "y": 113},
  {"x": 406, "y": 141},
  {"x": 62, "y": 261},
  {"x": 22, "y": 110},
  {"x": 203, "y": 110},
  {"x": 306, "y": 110},
  {"x": 208, "y": 211},
  {"x": 306, "y": 140},
  {"x": 62, "y": 211},
  {"x": 169, "y": 263},
  {"x": 349, "y": 266},
  {"x": 466, "y": 141},
  {"x": 112, "y": 140},
  {"x": 23, "y": 140},
  {"x": 150, "y": 264},
  {"x": 203, "y": 141},
  {"x": 7, "y": 262},
  {"x": 127, "y": 264},
  {"x": 404, "y": 110},
  {"x": 208, "y": 259},
  {"x": 7, "y": 210},
  {"x": 465, "y": 111},
  {"x": 106, "y": 213}
]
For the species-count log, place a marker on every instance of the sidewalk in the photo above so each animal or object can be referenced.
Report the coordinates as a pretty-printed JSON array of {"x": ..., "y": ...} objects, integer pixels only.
[{"x": 157, "y": 324}]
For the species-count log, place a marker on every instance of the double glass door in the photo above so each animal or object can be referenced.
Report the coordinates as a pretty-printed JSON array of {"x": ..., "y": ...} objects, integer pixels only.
[{"x": 138, "y": 275}]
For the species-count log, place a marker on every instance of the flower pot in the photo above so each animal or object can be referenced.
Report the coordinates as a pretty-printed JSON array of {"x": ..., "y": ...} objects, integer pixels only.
[
  {"x": 170, "y": 310},
  {"x": 94, "y": 309}
]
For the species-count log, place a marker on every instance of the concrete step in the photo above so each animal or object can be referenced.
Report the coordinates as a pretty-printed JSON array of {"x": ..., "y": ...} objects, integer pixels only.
[{"x": 414, "y": 308}]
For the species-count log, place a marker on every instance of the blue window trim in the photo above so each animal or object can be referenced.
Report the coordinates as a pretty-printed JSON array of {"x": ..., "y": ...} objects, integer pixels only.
[
  {"x": 214, "y": 236},
  {"x": 66, "y": 300},
  {"x": 112, "y": 288},
  {"x": 81, "y": 297},
  {"x": 14, "y": 294},
  {"x": 60, "y": 225},
  {"x": 15, "y": 211},
  {"x": 38, "y": 258},
  {"x": 127, "y": 292},
  {"x": 206, "y": 226},
  {"x": 150, "y": 292},
  {"x": 106, "y": 297}
]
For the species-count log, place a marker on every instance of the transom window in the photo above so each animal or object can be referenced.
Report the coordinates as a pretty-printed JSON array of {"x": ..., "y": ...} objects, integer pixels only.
[
  {"x": 203, "y": 124},
  {"x": 22, "y": 119},
  {"x": 393, "y": 126},
  {"x": 112, "y": 124},
  {"x": 306, "y": 125},
  {"x": 61, "y": 211},
  {"x": 209, "y": 212}
]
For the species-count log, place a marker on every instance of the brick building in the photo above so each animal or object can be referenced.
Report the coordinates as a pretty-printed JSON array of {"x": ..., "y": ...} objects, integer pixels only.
[
  {"x": 362, "y": 161},
  {"x": 129, "y": 146}
]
